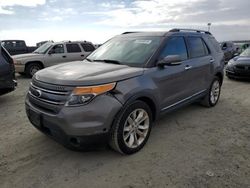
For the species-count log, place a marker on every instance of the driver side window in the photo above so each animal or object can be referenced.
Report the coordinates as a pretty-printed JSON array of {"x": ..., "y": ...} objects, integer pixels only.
[
  {"x": 175, "y": 46},
  {"x": 57, "y": 49}
]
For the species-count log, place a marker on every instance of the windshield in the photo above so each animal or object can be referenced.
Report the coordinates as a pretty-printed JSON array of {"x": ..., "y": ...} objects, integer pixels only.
[
  {"x": 246, "y": 53},
  {"x": 43, "y": 49},
  {"x": 127, "y": 50}
]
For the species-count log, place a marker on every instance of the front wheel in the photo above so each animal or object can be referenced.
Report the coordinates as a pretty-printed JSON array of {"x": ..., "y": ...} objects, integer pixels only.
[
  {"x": 32, "y": 68},
  {"x": 212, "y": 97},
  {"x": 131, "y": 129}
]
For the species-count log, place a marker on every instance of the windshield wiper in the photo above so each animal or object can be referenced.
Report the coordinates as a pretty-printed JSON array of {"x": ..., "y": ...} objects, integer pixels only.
[{"x": 108, "y": 61}]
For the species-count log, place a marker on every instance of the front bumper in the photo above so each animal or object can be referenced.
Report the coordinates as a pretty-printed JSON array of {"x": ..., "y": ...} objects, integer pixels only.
[
  {"x": 73, "y": 125},
  {"x": 238, "y": 75}
]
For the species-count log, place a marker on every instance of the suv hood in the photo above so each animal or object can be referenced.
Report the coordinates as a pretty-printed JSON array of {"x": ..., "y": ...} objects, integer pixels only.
[
  {"x": 24, "y": 56},
  {"x": 83, "y": 73}
]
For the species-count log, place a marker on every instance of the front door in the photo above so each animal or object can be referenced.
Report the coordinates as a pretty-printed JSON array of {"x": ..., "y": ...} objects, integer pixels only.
[
  {"x": 172, "y": 81},
  {"x": 55, "y": 55}
]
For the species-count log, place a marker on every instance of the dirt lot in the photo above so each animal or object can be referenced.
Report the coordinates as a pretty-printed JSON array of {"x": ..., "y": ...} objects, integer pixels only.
[{"x": 192, "y": 147}]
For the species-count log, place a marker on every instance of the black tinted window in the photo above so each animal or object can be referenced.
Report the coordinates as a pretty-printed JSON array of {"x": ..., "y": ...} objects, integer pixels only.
[
  {"x": 73, "y": 48},
  {"x": 175, "y": 46},
  {"x": 87, "y": 47},
  {"x": 20, "y": 44},
  {"x": 207, "y": 51},
  {"x": 196, "y": 47}
]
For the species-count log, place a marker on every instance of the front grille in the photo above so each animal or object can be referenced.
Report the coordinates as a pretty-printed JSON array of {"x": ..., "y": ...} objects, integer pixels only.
[
  {"x": 48, "y": 97},
  {"x": 243, "y": 67}
]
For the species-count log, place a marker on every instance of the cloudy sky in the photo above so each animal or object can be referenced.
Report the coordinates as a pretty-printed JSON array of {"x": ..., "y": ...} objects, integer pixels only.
[{"x": 98, "y": 20}]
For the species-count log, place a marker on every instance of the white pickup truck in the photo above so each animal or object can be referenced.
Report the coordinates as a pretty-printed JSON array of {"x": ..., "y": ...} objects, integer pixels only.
[{"x": 51, "y": 54}]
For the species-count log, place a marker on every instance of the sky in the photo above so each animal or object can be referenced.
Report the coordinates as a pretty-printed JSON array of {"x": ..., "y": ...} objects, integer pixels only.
[{"x": 98, "y": 21}]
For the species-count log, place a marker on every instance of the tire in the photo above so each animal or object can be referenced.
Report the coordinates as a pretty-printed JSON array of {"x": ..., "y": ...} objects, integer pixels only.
[
  {"x": 129, "y": 136},
  {"x": 215, "y": 90},
  {"x": 32, "y": 68},
  {"x": 22, "y": 73}
]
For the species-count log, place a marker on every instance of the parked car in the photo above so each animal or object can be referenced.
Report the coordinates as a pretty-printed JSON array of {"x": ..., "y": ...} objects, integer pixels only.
[
  {"x": 51, "y": 54},
  {"x": 118, "y": 92},
  {"x": 15, "y": 47},
  {"x": 239, "y": 67},
  {"x": 229, "y": 50},
  {"x": 7, "y": 72}
]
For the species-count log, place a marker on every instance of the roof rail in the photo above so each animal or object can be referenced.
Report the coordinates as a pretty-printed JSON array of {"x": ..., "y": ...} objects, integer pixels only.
[
  {"x": 190, "y": 30},
  {"x": 129, "y": 32}
]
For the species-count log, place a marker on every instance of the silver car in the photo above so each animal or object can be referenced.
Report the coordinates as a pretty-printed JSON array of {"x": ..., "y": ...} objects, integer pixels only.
[{"x": 51, "y": 54}]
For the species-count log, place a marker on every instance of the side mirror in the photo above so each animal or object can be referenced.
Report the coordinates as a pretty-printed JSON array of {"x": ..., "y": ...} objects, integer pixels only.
[
  {"x": 224, "y": 48},
  {"x": 170, "y": 60},
  {"x": 50, "y": 52}
]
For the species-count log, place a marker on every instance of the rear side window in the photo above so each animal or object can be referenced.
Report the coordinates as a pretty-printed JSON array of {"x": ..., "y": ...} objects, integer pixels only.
[
  {"x": 175, "y": 46},
  {"x": 73, "y": 48},
  {"x": 197, "y": 48},
  {"x": 215, "y": 44},
  {"x": 87, "y": 47}
]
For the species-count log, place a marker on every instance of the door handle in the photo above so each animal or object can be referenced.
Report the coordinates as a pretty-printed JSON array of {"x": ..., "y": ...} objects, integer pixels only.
[
  {"x": 82, "y": 55},
  {"x": 211, "y": 60},
  {"x": 64, "y": 56},
  {"x": 188, "y": 67}
]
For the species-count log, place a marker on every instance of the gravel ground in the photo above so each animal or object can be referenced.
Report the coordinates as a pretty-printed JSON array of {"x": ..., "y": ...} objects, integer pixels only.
[{"x": 192, "y": 147}]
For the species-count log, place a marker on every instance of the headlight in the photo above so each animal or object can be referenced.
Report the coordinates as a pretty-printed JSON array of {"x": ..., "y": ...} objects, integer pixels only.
[
  {"x": 231, "y": 62},
  {"x": 83, "y": 95}
]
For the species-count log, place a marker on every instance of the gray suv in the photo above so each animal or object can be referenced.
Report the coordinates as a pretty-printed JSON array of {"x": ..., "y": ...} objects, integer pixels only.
[{"x": 124, "y": 86}]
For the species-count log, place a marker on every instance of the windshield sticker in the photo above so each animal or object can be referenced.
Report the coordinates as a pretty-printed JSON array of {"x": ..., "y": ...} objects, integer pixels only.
[{"x": 143, "y": 41}]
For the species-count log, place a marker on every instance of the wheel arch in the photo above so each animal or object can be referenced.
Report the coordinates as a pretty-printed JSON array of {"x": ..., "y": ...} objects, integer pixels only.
[
  {"x": 220, "y": 76},
  {"x": 31, "y": 62},
  {"x": 149, "y": 100}
]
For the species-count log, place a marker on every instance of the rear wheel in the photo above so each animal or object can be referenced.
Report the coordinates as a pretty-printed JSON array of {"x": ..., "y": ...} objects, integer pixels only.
[
  {"x": 32, "y": 68},
  {"x": 131, "y": 129},
  {"x": 212, "y": 97}
]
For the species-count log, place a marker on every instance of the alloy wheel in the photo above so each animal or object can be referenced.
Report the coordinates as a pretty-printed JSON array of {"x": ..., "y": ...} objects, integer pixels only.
[{"x": 136, "y": 128}]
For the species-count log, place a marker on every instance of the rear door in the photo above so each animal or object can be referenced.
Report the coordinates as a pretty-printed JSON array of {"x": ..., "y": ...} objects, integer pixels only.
[
  {"x": 87, "y": 49},
  {"x": 74, "y": 52},
  {"x": 198, "y": 67}
]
